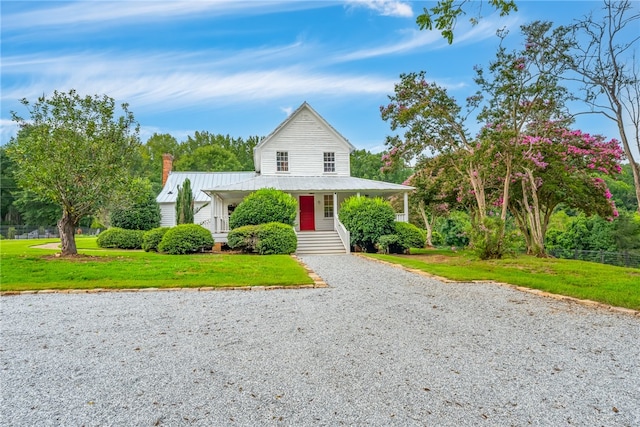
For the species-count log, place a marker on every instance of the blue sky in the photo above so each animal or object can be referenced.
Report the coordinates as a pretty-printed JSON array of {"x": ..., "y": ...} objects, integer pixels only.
[{"x": 239, "y": 68}]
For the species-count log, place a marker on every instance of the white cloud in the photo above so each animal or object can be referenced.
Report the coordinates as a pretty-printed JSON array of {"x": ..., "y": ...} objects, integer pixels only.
[
  {"x": 92, "y": 13},
  {"x": 416, "y": 39},
  {"x": 164, "y": 82},
  {"x": 287, "y": 110},
  {"x": 8, "y": 128},
  {"x": 396, "y": 8}
]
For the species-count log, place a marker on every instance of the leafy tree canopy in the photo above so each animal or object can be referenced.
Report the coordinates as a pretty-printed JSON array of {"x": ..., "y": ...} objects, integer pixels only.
[{"x": 72, "y": 150}]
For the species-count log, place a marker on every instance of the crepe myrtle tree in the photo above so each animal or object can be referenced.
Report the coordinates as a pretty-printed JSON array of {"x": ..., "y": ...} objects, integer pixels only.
[
  {"x": 518, "y": 87},
  {"x": 560, "y": 165},
  {"x": 75, "y": 152}
]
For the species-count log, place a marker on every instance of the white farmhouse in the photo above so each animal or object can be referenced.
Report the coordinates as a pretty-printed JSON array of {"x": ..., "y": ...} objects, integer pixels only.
[{"x": 305, "y": 157}]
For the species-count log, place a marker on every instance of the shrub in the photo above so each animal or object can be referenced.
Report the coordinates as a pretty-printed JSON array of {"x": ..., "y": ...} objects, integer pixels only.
[
  {"x": 386, "y": 242},
  {"x": 143, "y": 214},
  {"x": 276, "y": 238},
  {"x": 367, "y": 219},
  {"x": 265, "y": 239},
  {"x": 120, "y": 238},
  {"x": 243, "y": 238},
  {"x": 185, "y": 239},
  {"x": 264, "y": 206},
  {"x": 152, "y": 238},
  {"x": 410, "y": 236}
]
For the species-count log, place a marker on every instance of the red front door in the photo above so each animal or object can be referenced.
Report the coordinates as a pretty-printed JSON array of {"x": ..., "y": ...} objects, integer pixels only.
[{"x": 307, "y": 216}]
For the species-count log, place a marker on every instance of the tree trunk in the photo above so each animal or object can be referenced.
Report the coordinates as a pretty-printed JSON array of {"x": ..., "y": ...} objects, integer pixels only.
[
  {"x": 427, "y": 225},
  {"x": 67, "y": 228},
  {"x": 627, "y": 151}
]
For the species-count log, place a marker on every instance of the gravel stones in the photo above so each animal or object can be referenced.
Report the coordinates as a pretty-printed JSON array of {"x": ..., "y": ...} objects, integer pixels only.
[{"x": 381, "y": 346}]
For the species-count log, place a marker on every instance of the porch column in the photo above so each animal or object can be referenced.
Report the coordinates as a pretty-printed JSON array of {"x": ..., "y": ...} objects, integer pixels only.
[
  {"x": 335, "y": 205},
  {"x": 406, "y": 207}
]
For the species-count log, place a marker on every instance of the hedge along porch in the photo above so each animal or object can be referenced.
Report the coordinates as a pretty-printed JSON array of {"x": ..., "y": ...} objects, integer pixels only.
[{"x": 305, "y": 157}]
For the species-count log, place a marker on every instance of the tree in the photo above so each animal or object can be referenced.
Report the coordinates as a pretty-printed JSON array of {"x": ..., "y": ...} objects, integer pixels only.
[
  {"x": 367, "y": 165},
  {"x": 444, "y": 15},
  {"x": 434, "y": 193},
  {"x": 609, "y": 79},
  {"x": 208, "y": 158},
  {"x": 185, "y": 204},
  {"x": 560, "y": 166},
  {"x": 73, "y": 151},
  {"x": 519, "y": 88},
  {"x": 141, "y": 211},
  {"x": 7, "y": 186}
]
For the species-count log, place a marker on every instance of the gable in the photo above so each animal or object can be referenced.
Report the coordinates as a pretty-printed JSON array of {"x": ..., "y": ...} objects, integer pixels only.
[{"x": 303, "y": 129}]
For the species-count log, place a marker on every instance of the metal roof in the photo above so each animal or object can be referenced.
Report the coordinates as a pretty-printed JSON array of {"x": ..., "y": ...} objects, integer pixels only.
[
  {"x": 309, "y": 183},
  {"x": 199, "y": 181}
]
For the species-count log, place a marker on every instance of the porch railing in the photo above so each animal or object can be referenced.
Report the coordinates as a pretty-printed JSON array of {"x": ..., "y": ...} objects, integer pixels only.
[
  {"x": 344, "y": 234},
  {"x": 400, "y": 217},
  {"x": 220, "y": 224}
]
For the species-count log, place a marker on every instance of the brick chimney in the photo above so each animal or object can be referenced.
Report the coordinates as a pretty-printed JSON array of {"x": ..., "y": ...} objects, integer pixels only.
[{"x": 167, "y": 164}]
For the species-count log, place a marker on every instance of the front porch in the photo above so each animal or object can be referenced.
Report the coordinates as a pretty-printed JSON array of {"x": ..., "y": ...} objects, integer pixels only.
[{"x": 317, "y": 224}]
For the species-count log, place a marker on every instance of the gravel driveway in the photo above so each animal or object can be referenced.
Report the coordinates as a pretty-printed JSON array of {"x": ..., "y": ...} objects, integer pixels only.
[{"x": 381, "y": 347}]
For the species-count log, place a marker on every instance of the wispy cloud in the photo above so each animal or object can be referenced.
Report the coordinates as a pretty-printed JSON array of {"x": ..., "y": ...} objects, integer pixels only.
[
  {"x": 396, "y": 8},
  {"x": 86, "y": 14},
  {"x": 164, "y": 82},
  {"x": 413, "y": 39},
  {"x": 8, "y": 128}
]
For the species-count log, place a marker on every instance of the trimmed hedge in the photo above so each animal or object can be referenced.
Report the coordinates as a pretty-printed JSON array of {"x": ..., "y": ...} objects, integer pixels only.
[
  {"x": 406, "y": 236},
  {"x": 120, "y": 238},
  {"x": 144, "y": 215},
  {"x": 410, "y": 236},
  {"x": 276, "y": 238},
  {"x": 264, "y": 206},
  {"x": 152, "y": 238},
  {"x": 243, "y": 238},
  {"x": 186, "y": 239},
  {"x": 367, "y": 219},
  {"x": 264, "y": 239}
]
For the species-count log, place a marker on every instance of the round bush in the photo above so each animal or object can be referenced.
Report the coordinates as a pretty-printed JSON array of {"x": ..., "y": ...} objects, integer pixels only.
[
  {"x": 264, "y": 206},
  {"x": 186, "y": 239},
  {"x": 276, "y": 238},
  {"x": 120, "y": 238},
  {"x": 152, "y": 238},
  {"x": 367, "y": 219},
  {"x": 410, "y": 236},
  {"x": 243, "y": 238}
]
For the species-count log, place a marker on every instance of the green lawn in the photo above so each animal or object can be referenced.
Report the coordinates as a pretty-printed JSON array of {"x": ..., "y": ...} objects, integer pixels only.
[
  {"x": 607, "y": 284},
  {"x": 23, "y": 267}
]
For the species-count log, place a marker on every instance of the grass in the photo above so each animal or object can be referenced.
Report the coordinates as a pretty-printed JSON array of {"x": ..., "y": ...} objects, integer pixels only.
[
  {"x": 616, "y": 286},
  {"x": 23, "y": 267}
]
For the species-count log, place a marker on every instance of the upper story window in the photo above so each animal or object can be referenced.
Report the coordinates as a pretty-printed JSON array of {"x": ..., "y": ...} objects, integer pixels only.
[
  {"x": 282, "y": 161},
  {"x": 329, "y": 162}
]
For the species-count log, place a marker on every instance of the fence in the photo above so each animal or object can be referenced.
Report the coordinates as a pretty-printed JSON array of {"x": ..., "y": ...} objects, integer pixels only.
[
  {"x": 622, "y": 259},
  {"x": 32, "y": 232}
]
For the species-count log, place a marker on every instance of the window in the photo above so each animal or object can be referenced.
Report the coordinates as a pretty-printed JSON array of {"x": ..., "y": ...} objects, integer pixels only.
[
  {"x": 328, "y": 205},
  {"x": 282, "y": 161},
  {"x": 329, "y": 162}
]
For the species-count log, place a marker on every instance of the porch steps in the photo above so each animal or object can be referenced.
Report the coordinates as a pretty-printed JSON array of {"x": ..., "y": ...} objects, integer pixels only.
[{"x": 319, "y": 242}]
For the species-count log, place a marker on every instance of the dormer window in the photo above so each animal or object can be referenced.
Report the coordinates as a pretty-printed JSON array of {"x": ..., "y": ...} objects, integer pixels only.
[
  {"x": 282, "y": 161},
  {"x": 330, "y": 162}
]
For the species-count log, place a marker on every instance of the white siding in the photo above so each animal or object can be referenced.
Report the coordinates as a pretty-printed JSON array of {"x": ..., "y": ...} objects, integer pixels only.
[
  {"x": 306, "y": 140},
  {"x": 168, "y": 215}
]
